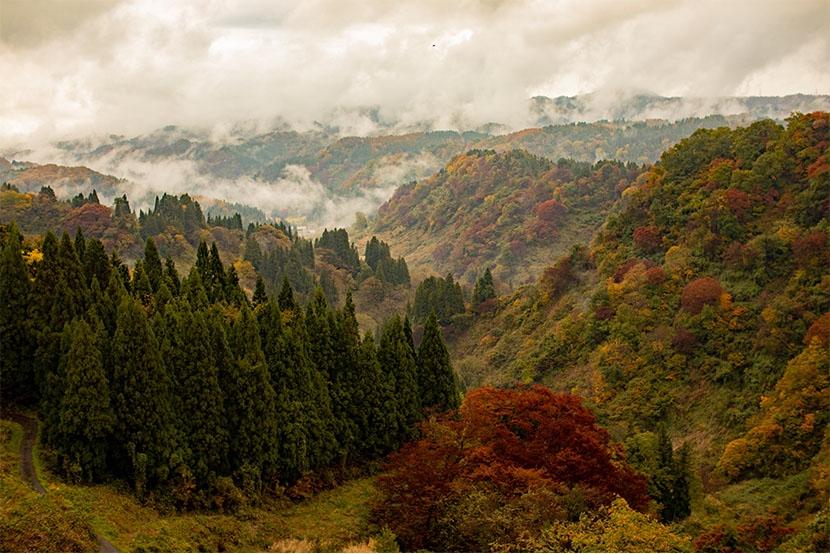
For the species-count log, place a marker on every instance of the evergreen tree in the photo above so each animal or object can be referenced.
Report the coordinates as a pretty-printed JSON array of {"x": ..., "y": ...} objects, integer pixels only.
[
  {"x": 141, "y": 287},
  {"x": 436, "y": 379},
  {"x": 253, "y": 253},
  {"x": 233, "y": 293},
  {"x": 290, "y": 448},
  {"x": 214, "y": 282},
  {"x": 82, "y": 433},
  {"x": 396, "y": 357},
  {"x": 203, "y": 260},
  {"x": 163, "y": 297},
  {"x": 141, "y": 402},
  {"x": 407, "y": 331},
  {"x": 80, "y": 243},
  {"x": 348, "y": 384},
  {"x": 253, "y": 439},
  {"x": 483, "y": 289},
  {"x": 43, "y": 324},
  {"x": 682, "y": 500},
  {"x": 15, "y": 363},
  {"x": 70, "y": 267},
  {"x": 201, "y": 402},
  {"x": 96, "y": 263},
  {"x": 380, "y": 433},
  {"x": 193, "y": 290},
  {"x": 286, "y": 297},
  {"x": 152, "y": 264},
  {"x": 670, "y": 482},
  {"x": 259, "y": 292},
  {"x": 171, "y": 275},
  {"x": 121, "y": 269},
  {"x": 113, "y": 295}
]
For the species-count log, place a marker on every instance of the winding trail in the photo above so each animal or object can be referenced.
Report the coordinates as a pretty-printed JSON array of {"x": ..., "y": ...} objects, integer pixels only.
[{"x": 27, "y": 466}]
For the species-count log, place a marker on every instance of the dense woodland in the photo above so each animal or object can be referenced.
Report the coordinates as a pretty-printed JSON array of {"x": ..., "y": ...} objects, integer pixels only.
[
  {"x": 511, "y": 211},
  {"x": 177, "y": 225},
  {"x": 192, "y": 393},
  {"x": 663, "y": 388},
  {"x": 703, "y": 306}
]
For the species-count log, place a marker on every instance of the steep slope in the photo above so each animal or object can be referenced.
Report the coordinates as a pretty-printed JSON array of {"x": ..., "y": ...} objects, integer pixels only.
[
  {"x": 702, "y": 307},
  {"x": 29, "y": 177},
  {"x": 626, "y": 141},
  {"x": 337, "y": 165},
  {"x": 513, "y": 211}
]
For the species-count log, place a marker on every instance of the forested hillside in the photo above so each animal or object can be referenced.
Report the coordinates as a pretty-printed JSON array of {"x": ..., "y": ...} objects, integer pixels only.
[
  {"x": 322, "y": 164},
  {"x": 701, "y": 307},
  {"x": 626, "y": 141},
  {"x": 189, "y": 391},
  {"x": 69, "y": 180},
  {"x": 512, "y": 211},
  {"x": 665, "y": 370},
  {"x": 177, "y": 226}
]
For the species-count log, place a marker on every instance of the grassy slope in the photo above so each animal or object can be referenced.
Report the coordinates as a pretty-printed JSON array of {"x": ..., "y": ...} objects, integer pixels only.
[
  {"x": 32, "y": 523},
  {"x": 331, "y": 521}
]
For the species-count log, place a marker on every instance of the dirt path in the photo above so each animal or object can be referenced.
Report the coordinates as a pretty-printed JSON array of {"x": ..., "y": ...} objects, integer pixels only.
[{"x": 27, "y": 466}]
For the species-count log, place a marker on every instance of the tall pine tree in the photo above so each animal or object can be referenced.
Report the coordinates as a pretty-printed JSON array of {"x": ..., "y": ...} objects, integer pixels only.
[
  {"x": 16, "y": 371},
  {"x": 436, "y": 379},
  {"x": 141, "y": 399},
  {"x": 85, "y": 419}
]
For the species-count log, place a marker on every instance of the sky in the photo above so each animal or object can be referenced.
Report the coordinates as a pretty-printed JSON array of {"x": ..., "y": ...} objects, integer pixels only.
[{"x": 80, "y": 67}]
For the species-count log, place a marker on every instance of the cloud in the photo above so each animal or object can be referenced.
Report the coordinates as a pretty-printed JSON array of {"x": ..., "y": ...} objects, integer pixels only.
[{"x": 76, "y": 67}]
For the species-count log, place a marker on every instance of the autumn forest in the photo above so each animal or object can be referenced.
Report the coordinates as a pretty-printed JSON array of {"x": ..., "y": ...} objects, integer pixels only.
[{"x": 580, "y": 338}]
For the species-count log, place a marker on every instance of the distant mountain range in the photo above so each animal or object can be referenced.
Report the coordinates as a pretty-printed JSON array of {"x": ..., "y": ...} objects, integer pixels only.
[{"x": 324, "y": 177}]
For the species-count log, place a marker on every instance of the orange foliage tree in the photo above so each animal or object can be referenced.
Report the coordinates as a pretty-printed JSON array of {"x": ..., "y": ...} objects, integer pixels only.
[
  {"x": 700, "y": 292},
  {"x": 507, "y": 447}
]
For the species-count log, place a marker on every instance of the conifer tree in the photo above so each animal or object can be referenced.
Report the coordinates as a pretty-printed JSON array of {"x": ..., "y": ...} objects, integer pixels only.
[
  {"x": 436, "y": 380},
  {"x": 121, "y": 269},
  {"x": 483, "y": 289},
  {"x": 395, "y": 356},
  {"x": 203, "y": 260},
  {"x": 380, "y": 433},
  {"x": 96, "y": 263},
  {"x": 214, "y": 281},
  {"x": 260, "y": 297},
  {"x": 141, "y": 402},
  {"x": 348, "y": 384},
  {"x": 85, "y": 421},
  {"x": 253, "y": 440},
  {"x": 201, "y": 401},
  {"x": 253, "y": 253},
  {"x": 286, "y": 297},
  {"x": 163, "y": 296},
  {"x": 171, "y": 275},
  {"x": 193, "y": 290},
  {"x": 152, "y": 264},
  {"x": 681, "y": 499},
  {"x": 227, "y": 373},
  {"x": 44, "y": 337},
  {"x": 670, "y": 483},
  {"x": 141, "y": 287},
  {"x": 233, "y": 293},
  {"x": 80, "y": 243},
  {"x": 407, "y": 331},
  {"x": 113, "y": 295},
  {"x": 70, "y": 267},
  {"x": 17, "y": 374}
]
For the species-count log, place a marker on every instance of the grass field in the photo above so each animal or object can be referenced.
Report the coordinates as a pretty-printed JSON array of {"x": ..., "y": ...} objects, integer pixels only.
[{"x": 333, "y": 520}]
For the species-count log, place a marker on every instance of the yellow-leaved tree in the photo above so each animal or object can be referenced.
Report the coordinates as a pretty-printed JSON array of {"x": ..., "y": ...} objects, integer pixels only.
[{"x": 792, "y": 422}]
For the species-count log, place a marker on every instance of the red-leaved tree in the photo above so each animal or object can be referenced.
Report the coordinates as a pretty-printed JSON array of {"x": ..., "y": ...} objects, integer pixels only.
[
  {"x": 700, "y": 292},
  {"x": 505, "y": 446}
]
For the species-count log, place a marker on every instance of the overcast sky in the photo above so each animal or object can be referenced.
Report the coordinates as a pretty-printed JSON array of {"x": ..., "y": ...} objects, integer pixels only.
[{"x": 73, "y": 67}]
